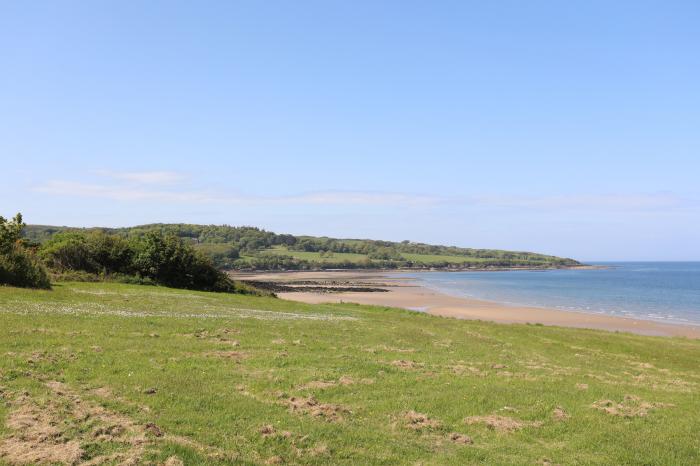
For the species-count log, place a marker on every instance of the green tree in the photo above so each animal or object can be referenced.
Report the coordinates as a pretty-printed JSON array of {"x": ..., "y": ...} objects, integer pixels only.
[
  {"x": 10, "y": 232},
  {"x": 69, "y": 251},
  {"x": 18, "y": 266},
  {"x": 171, "y": 262},
  {"x": 112, "y": 253}
]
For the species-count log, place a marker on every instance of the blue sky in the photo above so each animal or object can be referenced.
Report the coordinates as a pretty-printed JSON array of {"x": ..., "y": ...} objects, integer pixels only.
[{"x": 571, "y": 128}]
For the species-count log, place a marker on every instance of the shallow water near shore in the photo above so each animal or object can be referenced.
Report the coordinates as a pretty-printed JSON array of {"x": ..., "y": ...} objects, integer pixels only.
[{"x": 659, "y": 291}]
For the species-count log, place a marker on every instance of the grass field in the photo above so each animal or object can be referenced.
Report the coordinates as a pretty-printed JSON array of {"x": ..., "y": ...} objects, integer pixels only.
[
  {"x": 106, "y": 373},
  {"x": 436, "y": 259},
  {"x": 316, "y": 256},
  {"x": 340, "y": 256}
]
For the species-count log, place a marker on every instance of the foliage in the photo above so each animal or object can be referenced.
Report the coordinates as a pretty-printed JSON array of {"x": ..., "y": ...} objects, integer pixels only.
[
  {"x": 10, "y": 232},
  {"x": 18, "y": 265},
  {"x": 385, "y": 253},
  {"x": 169, "y": 261},
  {"x": 154, "y": 257},
  {"x": 252, "y": 248},
  {"x": 92, "y": 252},
  {"x": 223, "y": 255}
]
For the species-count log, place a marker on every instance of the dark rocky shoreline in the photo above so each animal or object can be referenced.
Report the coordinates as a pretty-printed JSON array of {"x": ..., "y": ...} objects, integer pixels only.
[{"x": 313, "y": 286}]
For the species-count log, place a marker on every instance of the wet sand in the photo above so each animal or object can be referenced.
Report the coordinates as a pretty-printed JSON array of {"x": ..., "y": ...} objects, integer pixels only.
[{"x": 408, "y": 294}]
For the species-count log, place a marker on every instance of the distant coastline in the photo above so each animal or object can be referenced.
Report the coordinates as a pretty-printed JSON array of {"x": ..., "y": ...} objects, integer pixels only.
[
  {"x": 253, "y": 249},
  {"x": 423, "y": 269}
]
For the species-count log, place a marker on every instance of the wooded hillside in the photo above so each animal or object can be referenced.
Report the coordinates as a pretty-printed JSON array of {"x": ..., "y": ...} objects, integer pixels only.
[{"x": 241, "y": 248}]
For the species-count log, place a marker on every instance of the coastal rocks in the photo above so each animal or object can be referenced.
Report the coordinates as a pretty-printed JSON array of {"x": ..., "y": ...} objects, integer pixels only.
[{"x": 314, "y": 286}]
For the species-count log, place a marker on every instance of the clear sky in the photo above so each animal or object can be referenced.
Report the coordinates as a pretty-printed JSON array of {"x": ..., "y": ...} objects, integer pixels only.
[{"x": 564, "y": 127}]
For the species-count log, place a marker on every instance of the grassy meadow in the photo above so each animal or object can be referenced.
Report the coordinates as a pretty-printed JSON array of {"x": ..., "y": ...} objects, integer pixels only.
[
  {"x": 104, "y": 373},
  {"x": 317, "y": 257}
]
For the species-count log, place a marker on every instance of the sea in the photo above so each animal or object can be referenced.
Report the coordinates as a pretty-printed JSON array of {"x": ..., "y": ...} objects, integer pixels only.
[{"x": 658, "y": 291}]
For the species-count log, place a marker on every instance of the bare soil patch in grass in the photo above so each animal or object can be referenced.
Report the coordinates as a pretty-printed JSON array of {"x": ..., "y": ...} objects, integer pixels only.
[
  {"x": 461, "y": 439},
  {"x": 35, "y": 438},
  {"x": 268, "y": 430},
  {"x": 318, "y": 385},
  {"x": 45, "y": 432},
  {"x": 559, "y": 414},
  {"x": 419, "y": 421},
  {"x": 60, "y": 429},
  {"x": 235, "y": 355},
  {"x": 462, "y": 369},
  {"x": 173, "y": 461},
  {"x": 404, "y": 364},
  {"x": 311, "y": 406},
  {"x": 501, "y": 423},
  {"x": 343, "y": 381},
  {"x": 630, "y": 406}
]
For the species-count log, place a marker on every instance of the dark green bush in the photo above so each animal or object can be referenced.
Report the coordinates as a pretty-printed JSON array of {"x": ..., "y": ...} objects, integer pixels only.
[
  {"x": 69, "y": 251},
  {"x": 20, "y": 268},
  {"x": 94, "y": 252},
  {"x": 170, "y": 261},
  {"x": 153, "y": 258},
  {"x": 18, "y": 265}
]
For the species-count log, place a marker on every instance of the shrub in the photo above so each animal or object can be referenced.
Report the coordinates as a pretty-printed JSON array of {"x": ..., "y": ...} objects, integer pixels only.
[
  {"x": 69, "y": 251},
  {"x": 171, "y": 262},
  {"x": 18, "y": 265},
  {"x": 95, "y": 252},
  {"x": 74, "y": 276},
  {"x": 153, "y": 258},
  {"x": 111, "y": 253}
]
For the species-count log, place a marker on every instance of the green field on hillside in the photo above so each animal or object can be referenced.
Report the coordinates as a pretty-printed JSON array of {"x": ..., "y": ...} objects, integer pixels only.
[
  {"x": 428, "y": 259},
  {"x": 441, "y": 258},
  {"x": 102, "y": 373},
  {"x": 317, "y": 256},
  {"x": 356, "y": 258}
]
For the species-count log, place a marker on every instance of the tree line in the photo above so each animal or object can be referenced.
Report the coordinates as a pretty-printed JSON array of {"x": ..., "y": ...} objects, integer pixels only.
[
  {"x": 154, "y": 257},
  {"x": 246, "y": 247}
]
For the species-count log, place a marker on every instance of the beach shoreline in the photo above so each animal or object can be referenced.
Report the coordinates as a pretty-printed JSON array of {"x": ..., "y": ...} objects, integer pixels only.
[{"x": 409, "y": 294}]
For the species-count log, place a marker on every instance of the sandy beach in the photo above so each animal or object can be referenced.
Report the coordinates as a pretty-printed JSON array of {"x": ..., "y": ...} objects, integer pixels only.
[{"x": 408, "y": 294}]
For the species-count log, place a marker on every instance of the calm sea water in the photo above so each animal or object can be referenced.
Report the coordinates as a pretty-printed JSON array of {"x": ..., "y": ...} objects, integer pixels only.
[{"x": 661, "y": 291}]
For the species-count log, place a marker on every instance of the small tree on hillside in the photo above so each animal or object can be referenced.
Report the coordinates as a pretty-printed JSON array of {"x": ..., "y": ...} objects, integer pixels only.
[
  {"x": 10, "y": 232},
  {"x": 18, "y": 267}
]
